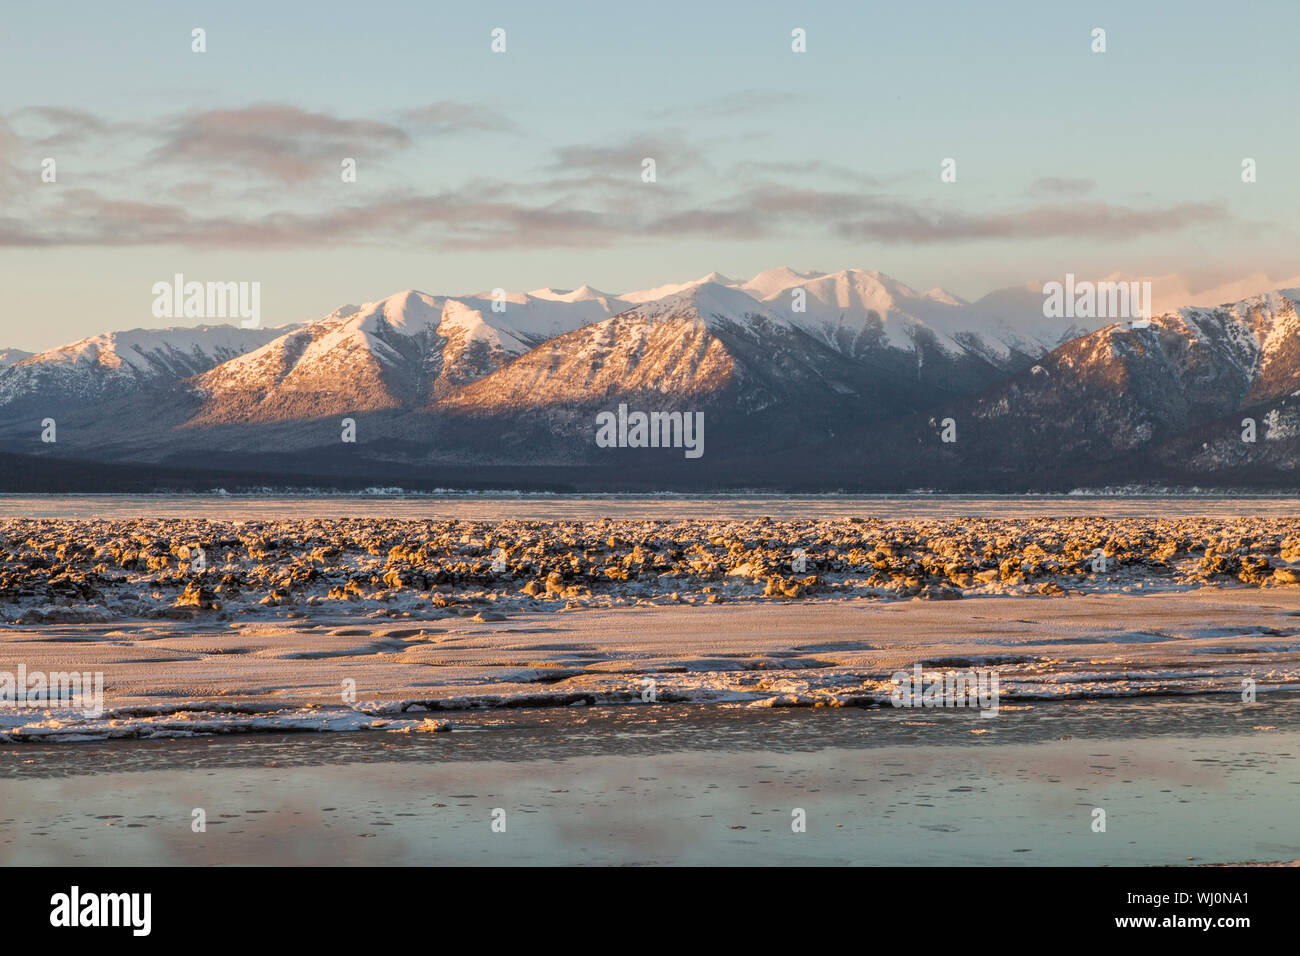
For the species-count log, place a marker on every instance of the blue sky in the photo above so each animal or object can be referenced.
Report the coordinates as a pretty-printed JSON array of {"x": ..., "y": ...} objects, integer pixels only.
[{"x": 522, "y": 169}]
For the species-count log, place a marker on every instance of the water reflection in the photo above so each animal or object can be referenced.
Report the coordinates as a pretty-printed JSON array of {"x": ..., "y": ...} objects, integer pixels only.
[{"x": 685, "y": 785}]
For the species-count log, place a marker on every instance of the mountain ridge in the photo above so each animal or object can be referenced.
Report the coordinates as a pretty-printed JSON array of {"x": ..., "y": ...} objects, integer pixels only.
[{"x": 856, "y": 372}]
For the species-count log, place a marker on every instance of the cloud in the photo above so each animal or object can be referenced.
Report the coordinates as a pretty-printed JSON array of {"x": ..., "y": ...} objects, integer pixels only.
[
  {"x": 9, "y": 148},
  {"x": 282, "y": 142},
  {"x": 668, "y": 151},
  {"x": 759, "y": 168},
  {"x": 485, "y": 218},
  {"x": 891, "y": 221},
  {"x": 1061, "y": 186},
  {"x": 446, "y": 116},
  {"x": 219, "y": 178},
  {"x": 454, "y": 219},
  {"x": 64, "y": 126},
  {"x": 711, "y": 223}
]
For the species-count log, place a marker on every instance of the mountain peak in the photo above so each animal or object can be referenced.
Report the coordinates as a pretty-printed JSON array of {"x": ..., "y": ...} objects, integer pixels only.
[
  {"x": 715, "y": 278},
  {"x": 771, "y": 281},
  {"x": 13, "y": 356},
  {"x": 940, "y": 294},
  {"x": 660, "y": 292},
  {"x": 705, "y": 301},
  {"x": 407, "y": 312},
  {"x": 583, "y": 293},
  {"x": 114, "y": 364}
]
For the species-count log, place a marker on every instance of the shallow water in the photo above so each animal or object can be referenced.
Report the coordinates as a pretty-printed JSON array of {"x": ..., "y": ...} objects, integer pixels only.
[
  {"x": 681, "y": 784},
  {"x": 492, "y": 507}
]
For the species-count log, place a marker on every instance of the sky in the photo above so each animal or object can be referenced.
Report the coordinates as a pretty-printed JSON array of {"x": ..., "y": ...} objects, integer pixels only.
[{"x": 522, "y": 169}]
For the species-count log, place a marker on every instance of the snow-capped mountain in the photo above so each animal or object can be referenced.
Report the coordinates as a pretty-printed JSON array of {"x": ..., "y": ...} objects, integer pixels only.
[
  {"x": 758, "y": 378},
  {"x": 411, "y": 348},
  {"x": 11, "y": 356},
  {"x": 704, "y": 340},
  {"x": 1121, "y": 387},
  {"x": 851, "y": 370},
  {"x": 1162, "y": 403},
  {"x": 674, "y": 346},
  {"x": 400, "y": 352},
  {"x": 356, "y": 357},
  {"x": 117, "y": 364},
  {"x": 673, "y": 288},
  {"x": 859, "y": 312}
]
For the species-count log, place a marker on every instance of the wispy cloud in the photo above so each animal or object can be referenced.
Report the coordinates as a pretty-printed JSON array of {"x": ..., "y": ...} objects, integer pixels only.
[
  {"x": 283, "y": 142},
  {"x": 892, "y": 221},
  {"x": 461, "y": 219},
  {"x": 250, "y": 177},
  {"x": 1061, "y": 186},
  {"x": 10, "y": 146},
  {"x": 667, "y": 150},
  {"x": 446, "y": 116},
  {"x": 759, "y": 168},
  {"x": 61, "y": 125}
]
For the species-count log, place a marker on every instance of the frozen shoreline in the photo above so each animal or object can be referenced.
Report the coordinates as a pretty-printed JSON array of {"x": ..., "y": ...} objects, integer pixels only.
[
  {"x": 104, "y": 571},
  {"x": 178, "y": 678}
]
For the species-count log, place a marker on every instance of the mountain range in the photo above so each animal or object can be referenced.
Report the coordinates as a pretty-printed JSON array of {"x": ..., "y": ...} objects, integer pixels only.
[{"x": 806, "y": 381}]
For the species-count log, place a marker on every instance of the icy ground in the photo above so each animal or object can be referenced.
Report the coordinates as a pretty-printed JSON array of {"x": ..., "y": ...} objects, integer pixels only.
[{"x": 256, "y": 672}]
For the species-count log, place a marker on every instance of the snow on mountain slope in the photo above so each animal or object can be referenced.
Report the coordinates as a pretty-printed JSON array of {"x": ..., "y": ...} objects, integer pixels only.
[
  {"x": 1163, "y": 404},
  {"x": 355, "y": 359},
  {"x": 534, "y": 317},
  {"x": 411, "y": 348},
  {"x": 116, "y": 364},
  {"x": 865, "y": 347},
  {"x": 665, "y": 347},
  {"x": 768, "y": 284},
  {"x": 402, "y": 351},
  {"x": 1175, "y": 291},
  {"x": 473, "y": 346},
  {"x": 672, "y": 288},
  {"x": 1244, "y": 352},
  {"x": 856, "y": 310},
  {"x": 1119, "y": 388},
  {"x": 1259, "y": 335},
  {"x": 583, "y": 293},
  {"x": 706, "y": 344},
  {"x": 709, "y": 303},
  {"x": 13, "y": 356},
  {"x": 1014, "y": 316}
]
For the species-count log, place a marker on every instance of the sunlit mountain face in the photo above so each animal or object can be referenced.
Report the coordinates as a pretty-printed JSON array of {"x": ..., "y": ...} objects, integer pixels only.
[{"x": 883, "y": 386}]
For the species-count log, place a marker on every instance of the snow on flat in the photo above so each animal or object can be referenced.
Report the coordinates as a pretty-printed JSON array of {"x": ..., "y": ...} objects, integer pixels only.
[
  {"x": 319, "y": 623},
  {"x": 178, "y": 678}
]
